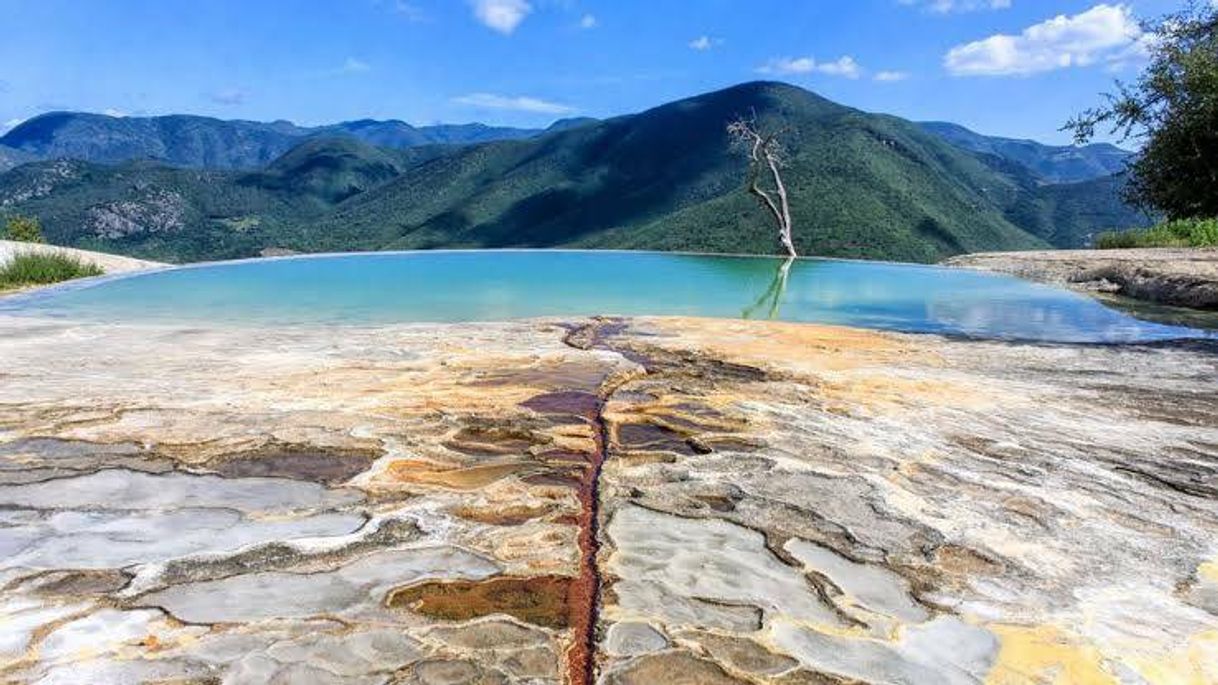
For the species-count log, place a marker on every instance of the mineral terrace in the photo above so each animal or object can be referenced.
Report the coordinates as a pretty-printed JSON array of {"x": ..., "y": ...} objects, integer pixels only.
[{"x": 616, "y": 501}]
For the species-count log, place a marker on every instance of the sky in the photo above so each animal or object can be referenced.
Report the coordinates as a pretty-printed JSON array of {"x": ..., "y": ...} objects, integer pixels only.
[{"x": 1016, "y": 68}]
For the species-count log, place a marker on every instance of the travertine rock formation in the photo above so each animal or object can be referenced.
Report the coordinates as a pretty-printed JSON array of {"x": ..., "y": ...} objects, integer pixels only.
[
  {"x": 637, "y": 501},
  {"x": 1180, "y": 277}
]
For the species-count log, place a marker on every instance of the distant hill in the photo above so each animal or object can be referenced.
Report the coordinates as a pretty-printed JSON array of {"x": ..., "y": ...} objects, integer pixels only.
[
  {"x": 1053, "y": 163},
  {"x": 392, "y": 133},
  {"x": 570, "y": 123},
  {"x": 464, "y": 134},
  {"x": 330, "y": 170},
  {"x": 204, "y": 142},
  {"x": 862, "y": 185},
  {"x": 177, "y": 139},
  {"x": 1071, "y": 215}
]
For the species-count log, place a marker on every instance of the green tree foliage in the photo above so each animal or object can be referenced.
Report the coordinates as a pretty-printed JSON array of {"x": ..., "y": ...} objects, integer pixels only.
[
  {"x": 1173, "y": 110},
  {"x": 23, "y": 229}
]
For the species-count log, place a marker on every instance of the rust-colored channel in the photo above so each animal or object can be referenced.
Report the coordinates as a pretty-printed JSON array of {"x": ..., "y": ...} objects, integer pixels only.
[{"x": 584, "y": 594}]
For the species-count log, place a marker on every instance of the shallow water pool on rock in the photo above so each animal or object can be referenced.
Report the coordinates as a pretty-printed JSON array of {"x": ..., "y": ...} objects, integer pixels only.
[{"x": 451, "y": 286}]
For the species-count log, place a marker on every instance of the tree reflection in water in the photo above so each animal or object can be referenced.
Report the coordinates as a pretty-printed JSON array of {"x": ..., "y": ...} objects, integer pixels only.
[{"x": 771, "y": 299}]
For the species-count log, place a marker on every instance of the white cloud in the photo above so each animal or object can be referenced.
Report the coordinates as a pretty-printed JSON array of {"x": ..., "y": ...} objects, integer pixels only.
[
  {"x": 889, "y": 76},
  {"x": 349, "y": 66},
  {"x": 408, "y": 10},
  {"x": 502, "y": 15},
  {"x": 843, "y": 66},
  {"x": 111, "y": 112},
  {"x": 1103, "y": 34},
  {"x": 951, "y": 6},
  {"x": 588, "y": 21},
  {"x": 518, "y": 103},
  {"x": 10, "y": 125},
  {"x": 227, "y": 96},
  {"x": 703, "y": 43},
  {"x": 354, "y": 66},
  {"x": 788, "y": 65}
]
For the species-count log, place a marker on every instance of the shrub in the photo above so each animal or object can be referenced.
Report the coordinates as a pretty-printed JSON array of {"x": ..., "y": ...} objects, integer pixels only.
[
  {"x": 23, "y": 229},
  {"x": 40, "y": 269},
  {"x": 1178, "y": 233}
]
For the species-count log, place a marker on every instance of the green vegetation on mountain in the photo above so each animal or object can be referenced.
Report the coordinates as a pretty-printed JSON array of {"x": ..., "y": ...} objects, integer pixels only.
[
  {"x": 147, "y": 209},
  {"x": 862, "y": 185},
  {"x": 1052, "y": 163},
  {"x": 11, "y": 157},
  {"x": 330, "y": 170},
  {"x": 177, "y": 139},
  {"x": 204, "y": 142},
  {"x": 1071, "y": 215}
]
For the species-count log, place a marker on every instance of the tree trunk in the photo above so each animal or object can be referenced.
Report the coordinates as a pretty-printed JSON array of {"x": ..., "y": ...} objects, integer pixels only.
[
  {"x": 766, "y": 150},
  {"x": 784, "y": 224}
]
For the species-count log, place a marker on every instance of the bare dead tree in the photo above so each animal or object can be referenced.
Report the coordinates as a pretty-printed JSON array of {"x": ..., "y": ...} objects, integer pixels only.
[{"x": 765, "y": 153}]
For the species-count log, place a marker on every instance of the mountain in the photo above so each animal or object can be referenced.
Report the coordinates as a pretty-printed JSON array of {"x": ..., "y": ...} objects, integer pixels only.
[
  {"x": 1053, "y": 163},
  {"x": 392, "y": 133},
  {"x": 330, "y": 170},
  {"x": 862, "y": 185},
  {"x": 177, "y": 139},
  {"x": 465, "y": 134},
  {"x": 1070, "y": 215},
  {"x": 185, "y": 214},
  {"x": 204, "y": 142},
  {"x": 11, "y": 157},
  {"x": 570, "y": 123}
]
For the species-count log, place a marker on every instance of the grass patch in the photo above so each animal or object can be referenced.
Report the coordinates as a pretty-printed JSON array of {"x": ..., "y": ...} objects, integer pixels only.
[
  {"x": 31, "y": 268},
  {"x": 1179, "y": 233}
]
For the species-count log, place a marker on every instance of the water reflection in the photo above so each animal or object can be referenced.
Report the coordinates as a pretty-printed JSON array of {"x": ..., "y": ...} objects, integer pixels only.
[
  {"x": 1159, "y": 313},
  {"x": 771, "y": 299},
  {"x": 1033, "y": 319}
]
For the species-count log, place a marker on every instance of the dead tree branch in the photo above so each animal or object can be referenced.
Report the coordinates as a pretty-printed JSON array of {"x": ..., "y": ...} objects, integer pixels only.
[{"x": 765, "y": 153}]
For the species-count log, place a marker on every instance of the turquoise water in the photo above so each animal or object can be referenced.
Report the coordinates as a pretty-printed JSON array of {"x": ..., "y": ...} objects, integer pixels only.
[{"x": 378, "y": 288}]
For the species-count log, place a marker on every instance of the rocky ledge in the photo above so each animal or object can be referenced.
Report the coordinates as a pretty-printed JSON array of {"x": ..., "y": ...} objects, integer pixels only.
[
  {"x": 615, "y": 501},
  {"x": 1176, "y": 277}
]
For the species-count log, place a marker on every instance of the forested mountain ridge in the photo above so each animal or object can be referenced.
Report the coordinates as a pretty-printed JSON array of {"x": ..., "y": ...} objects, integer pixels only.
[
  {"x": 10, "y": 157},
  {"x": 1052, "y": 163},
  {"x": 862, "y": 185},
  {"x": 205, "y": 142}
]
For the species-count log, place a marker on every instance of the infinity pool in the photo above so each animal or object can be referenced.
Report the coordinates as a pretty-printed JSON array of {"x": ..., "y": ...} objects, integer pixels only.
[{"x": 379, "y": 288}]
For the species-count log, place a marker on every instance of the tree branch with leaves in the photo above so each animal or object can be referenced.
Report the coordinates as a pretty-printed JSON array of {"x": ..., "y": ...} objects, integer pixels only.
[
  {"x": 1172, "y": 110},
  {"x": 766, "y": 157}
]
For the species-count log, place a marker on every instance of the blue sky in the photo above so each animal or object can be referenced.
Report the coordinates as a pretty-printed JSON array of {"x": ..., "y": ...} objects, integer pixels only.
[{"x": 1004, "y": 67}]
